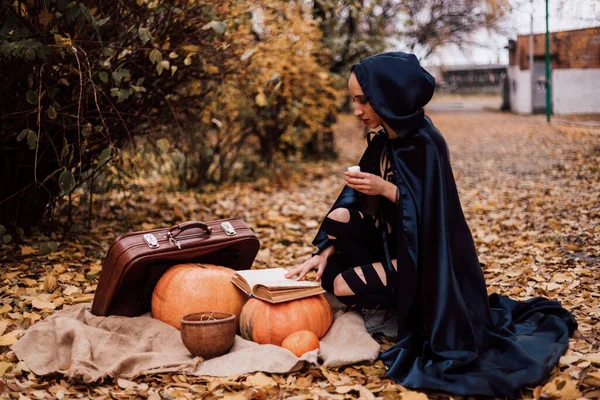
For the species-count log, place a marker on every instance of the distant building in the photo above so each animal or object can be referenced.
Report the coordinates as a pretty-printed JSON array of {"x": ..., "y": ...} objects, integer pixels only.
[
  {"x": 575, "y": 72},
  {"x": 471, "y": 79}
]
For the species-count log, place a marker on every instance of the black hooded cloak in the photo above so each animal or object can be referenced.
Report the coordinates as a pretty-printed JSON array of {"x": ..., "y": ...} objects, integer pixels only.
[{"x": 451, "y": 335}]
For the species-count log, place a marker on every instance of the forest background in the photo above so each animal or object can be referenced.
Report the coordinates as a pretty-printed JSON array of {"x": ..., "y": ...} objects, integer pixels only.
[{"x": 196, "y": 94}]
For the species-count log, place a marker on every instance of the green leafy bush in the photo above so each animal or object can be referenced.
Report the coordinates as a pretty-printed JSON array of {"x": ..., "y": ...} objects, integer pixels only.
[{"x": 81, "y": 80}]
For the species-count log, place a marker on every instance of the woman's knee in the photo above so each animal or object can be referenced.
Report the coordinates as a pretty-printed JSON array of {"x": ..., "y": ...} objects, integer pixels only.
[
  {"x": 340, "y": 215},
  {"x": 340, "y": 287}
]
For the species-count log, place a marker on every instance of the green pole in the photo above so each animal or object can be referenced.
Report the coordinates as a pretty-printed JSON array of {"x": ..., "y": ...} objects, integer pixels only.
[{"x": 548, "y": 84}]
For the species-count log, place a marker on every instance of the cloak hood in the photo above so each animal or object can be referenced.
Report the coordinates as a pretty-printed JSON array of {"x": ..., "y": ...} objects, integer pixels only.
[{"x": 397, "y": 87}]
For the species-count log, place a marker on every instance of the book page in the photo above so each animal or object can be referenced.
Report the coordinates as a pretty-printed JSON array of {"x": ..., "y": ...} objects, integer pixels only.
[
  {"x": 287, "y": 284},
  {"x": 278, "y": 296},
  {"x": 272, "y": 277}
]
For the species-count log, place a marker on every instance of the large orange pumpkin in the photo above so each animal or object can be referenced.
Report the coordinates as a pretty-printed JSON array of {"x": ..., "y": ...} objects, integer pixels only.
[
  {"x": 188, "y": 288},
  {"x": 267, "y": 323},
  {"x": 300, "y": 342}
]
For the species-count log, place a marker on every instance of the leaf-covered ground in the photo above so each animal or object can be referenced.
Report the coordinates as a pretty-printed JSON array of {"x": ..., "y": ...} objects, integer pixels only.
[{"x": 530, "y": 193}]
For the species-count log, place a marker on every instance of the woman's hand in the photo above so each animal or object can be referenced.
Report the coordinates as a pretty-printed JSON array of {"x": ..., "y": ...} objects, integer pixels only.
[
  {"x": 317, "y": 262},
  {"x": 370, "y": 184}
]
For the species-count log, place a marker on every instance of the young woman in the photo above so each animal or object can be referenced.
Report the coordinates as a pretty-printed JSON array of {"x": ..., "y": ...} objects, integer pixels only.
[{"x": 396, "y": 238}]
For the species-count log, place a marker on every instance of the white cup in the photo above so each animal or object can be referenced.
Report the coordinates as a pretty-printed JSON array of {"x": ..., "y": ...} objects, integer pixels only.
[{"x": 354, "y": 168}]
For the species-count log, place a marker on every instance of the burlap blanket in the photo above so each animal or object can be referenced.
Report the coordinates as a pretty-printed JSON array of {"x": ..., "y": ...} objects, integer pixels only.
[{"x": 78, "y": 344}]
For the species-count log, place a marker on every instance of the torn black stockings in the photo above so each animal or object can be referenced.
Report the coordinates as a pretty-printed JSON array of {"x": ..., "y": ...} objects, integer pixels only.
[{"x": 356, "y": 272}]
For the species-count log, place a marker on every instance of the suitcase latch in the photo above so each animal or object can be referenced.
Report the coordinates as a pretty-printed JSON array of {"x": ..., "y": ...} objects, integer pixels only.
[
  {"x": 228, "y": 228},
  {"x": 151, "y": 241}
]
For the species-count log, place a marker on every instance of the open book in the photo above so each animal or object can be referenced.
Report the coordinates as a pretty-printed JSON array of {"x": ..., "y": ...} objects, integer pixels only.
[{"x": 271, "y": 285}]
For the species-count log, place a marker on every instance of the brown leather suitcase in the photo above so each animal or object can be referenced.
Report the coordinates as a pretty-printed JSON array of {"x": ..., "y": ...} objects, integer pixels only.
[{"x": 135, "y": 261}]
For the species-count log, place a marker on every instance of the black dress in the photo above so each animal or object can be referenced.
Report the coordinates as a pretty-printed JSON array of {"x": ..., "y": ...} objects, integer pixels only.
[{"x": 359, "y": 243}]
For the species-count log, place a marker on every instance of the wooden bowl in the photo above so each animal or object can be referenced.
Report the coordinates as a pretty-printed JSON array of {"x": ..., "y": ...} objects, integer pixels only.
[{"x": 208, "y": 334}]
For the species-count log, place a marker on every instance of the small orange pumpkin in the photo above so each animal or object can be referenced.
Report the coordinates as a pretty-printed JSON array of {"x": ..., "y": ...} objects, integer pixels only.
[
  {"x": 300, "y": 342},
  {"x": 188, "y": 288},
  {"x": 267, "y": 323}
]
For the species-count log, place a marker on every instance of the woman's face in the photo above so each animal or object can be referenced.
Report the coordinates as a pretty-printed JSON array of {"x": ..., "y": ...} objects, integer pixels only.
[{"x": 362, "y": 108}]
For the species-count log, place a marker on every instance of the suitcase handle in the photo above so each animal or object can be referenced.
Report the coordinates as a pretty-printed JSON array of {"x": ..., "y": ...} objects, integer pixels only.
[{"x": 188, "y": 225}]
